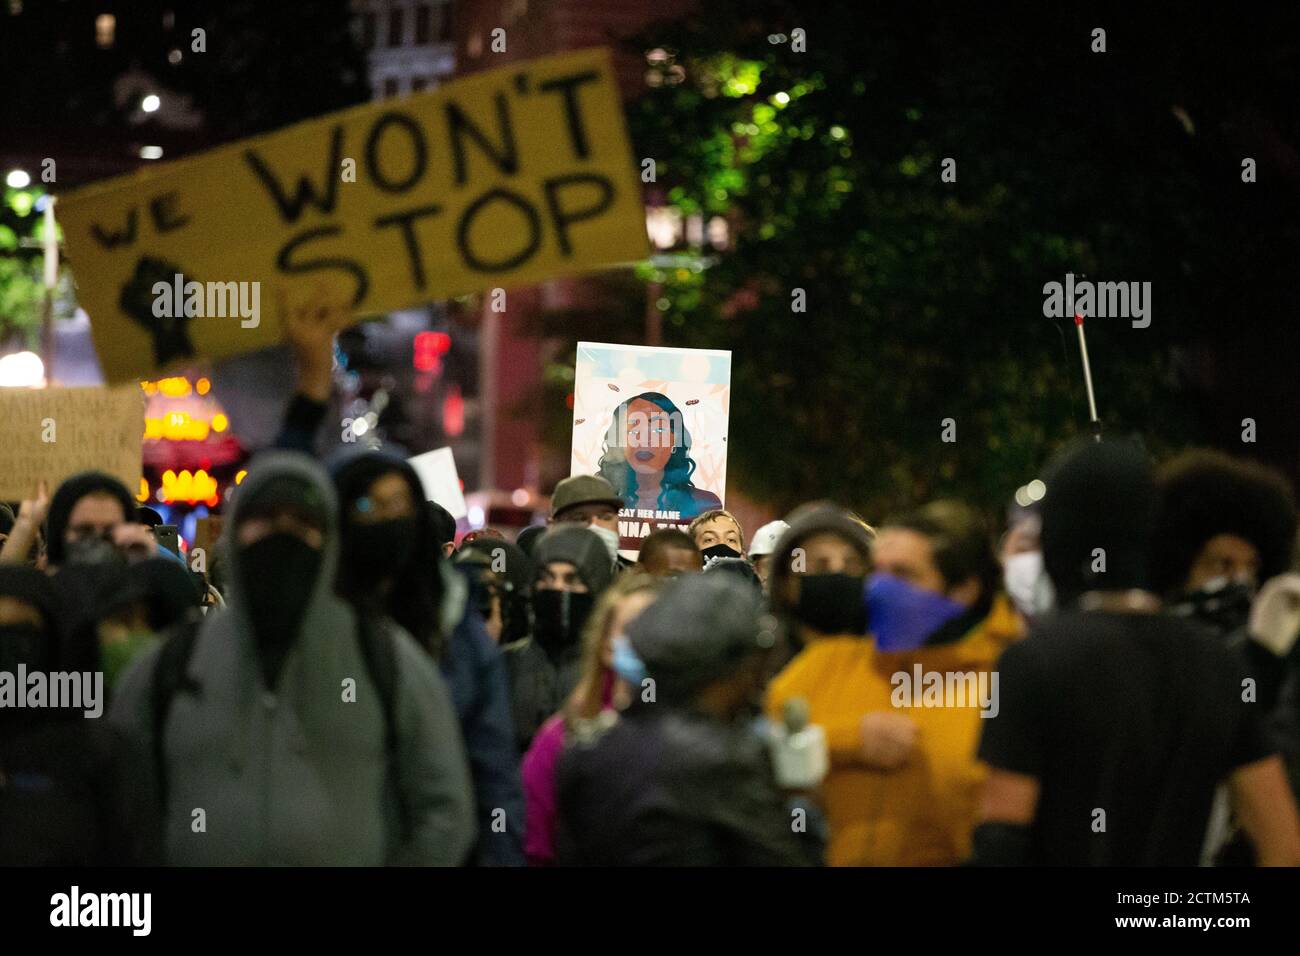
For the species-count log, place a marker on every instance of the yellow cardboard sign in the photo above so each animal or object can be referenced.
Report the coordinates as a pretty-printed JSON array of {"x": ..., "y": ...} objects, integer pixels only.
[
  {"x": 503, "y": 178},
  {"x": 52, "y": 433}
]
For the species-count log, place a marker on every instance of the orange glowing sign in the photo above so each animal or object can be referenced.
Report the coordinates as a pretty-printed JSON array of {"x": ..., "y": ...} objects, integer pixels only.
[{"x": 199, "y": 487}]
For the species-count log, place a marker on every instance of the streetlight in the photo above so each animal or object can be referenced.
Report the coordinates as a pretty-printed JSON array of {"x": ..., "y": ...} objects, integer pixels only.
[
  {"x": 18, "y": 179},
  {"x": 151, "y": 103}
]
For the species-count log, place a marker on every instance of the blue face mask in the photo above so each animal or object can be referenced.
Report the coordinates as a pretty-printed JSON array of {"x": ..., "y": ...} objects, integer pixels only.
[
  {"x": 626, "y": 664},
  {"x": 902, "y": 616}
]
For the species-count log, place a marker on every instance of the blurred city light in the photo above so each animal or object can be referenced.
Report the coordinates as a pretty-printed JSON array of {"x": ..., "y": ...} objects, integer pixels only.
[{"x": 22, "y": 370}]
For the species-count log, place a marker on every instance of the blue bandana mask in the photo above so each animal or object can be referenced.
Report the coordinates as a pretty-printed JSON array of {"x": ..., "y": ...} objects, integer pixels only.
[{"x": 902, "y": 616}]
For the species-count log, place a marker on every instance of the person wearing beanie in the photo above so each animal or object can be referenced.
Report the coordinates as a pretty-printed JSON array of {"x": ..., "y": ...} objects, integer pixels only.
[
  {"x": 527, "y": 538},
  {"x": 571, "y": 569},
  {"x": 903, "y": 778},
  {"x": 1117, "y": 722},
  {"x": 681, "y": 778}
]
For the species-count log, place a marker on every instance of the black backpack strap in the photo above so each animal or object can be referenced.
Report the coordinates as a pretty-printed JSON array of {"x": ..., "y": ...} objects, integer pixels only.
[
  {"x": 379, "y": 650},
  {"x": 169, "y": 677}
]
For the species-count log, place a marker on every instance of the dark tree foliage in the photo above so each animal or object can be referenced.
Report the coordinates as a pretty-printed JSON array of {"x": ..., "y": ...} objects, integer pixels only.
[{"x": 925, "y": 298}]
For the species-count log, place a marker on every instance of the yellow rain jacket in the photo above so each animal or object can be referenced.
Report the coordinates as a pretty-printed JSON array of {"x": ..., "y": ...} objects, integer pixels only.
[{"x": 921, "y": 814}]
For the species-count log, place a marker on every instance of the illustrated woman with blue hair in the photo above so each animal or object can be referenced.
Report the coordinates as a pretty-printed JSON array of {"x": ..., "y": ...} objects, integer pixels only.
[{"x": 646, "y": 457}]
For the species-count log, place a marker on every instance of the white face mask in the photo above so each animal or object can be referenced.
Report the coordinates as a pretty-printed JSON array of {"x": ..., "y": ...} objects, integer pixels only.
[
  {"x": 610, "y": 539},
  {"x": 1027, "y": 583}
]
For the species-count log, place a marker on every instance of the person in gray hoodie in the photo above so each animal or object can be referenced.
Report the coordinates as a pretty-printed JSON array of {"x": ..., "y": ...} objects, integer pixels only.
[{"x": 284, "y": 743}]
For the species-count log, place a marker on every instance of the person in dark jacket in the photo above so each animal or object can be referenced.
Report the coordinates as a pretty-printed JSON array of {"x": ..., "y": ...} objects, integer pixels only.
[
  {"x": 1225, "y": 527},
  {"x": 67, "y": 782},
  {"x": 475, "y": 672},
  {"x": 682, "y": 778},
  {"x": 1224, "y": 544},
  {"x": 572, "y": 569},
  {"x": 389, "y": 553},
  {"x": 392, "y": 568}
]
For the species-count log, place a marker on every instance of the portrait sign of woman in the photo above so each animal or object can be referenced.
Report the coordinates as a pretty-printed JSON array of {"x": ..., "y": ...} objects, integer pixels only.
[{"x": 646, "y": 457}]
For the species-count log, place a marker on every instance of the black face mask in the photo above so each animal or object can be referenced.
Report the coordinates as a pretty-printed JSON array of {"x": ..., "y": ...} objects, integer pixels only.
[
  {"x": 832, "y": 603},
  {"x": 558, "y": 617},
  {"x": 1225, "y": 608},
  {"x": 380, "y": 550},
  {"x": 278, "y": 574},
  {"x": 718, "y": 551}
]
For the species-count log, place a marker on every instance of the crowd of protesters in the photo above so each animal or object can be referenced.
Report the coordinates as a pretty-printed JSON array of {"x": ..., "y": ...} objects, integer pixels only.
[{"x": 1115, "y": 683}]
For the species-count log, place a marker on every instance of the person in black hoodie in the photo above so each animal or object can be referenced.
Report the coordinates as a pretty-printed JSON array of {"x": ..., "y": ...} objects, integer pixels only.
[
  {"x": 392, "y": 569},
  {"x": 572, "y": 567},
  {"x": 67, "y": 794}
]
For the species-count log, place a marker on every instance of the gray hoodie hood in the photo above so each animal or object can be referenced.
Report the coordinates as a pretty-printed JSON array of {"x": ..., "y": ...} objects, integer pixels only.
[{"x": 275, "y": 472}]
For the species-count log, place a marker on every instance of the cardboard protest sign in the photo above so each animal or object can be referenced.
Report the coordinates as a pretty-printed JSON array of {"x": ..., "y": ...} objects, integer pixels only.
[
  {"x": 504, "y": 178},
  {"x": 437, "y": 471},
  {"x": 653, "y": 421},
  {"x": 52, "y": 433}
]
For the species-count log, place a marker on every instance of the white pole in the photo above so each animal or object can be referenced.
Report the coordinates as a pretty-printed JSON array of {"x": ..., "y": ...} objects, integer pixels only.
[{"x": 1087, "y": 377}]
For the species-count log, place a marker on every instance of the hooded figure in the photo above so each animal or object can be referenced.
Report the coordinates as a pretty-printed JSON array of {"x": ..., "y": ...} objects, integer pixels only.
[
  {"x": 545, "y": 667},
  {"x": 393, "y": 573},
  {"x": 280, "y": 731},
  {"x": 68, "y": 793},
  {"x": 65, "y": 500},
  {"x": 682, "y": 778},
  {"x": 387, "y": 566},
  {"x": 134, "y": 605}
]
